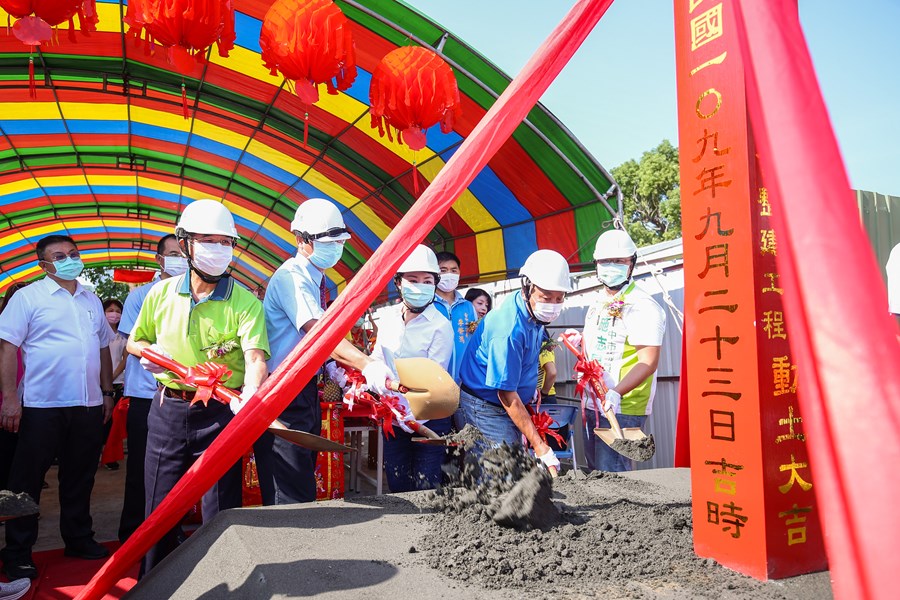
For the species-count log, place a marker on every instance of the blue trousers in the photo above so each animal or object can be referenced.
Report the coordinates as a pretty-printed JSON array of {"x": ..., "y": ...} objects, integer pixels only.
[
  {"x": 601, "y": 457},
  {"x": 413, "y": 466},
  {"x": 287, "y": 472},
  {"x": 177, "y": 434},
  {"x": 491, "y": 419}
]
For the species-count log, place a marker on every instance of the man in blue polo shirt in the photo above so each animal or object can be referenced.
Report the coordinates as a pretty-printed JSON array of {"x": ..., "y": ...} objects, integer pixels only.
[
  {"x": 452, "y": 305},
  {"x": 500, "y": 369}
]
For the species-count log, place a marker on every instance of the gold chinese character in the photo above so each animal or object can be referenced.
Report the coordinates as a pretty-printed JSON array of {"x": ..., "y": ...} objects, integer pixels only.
[
  {"x": 790, "y": 422},
  {"x": 795, "y": 477},
  {"x": 772, "y": 288},
  {"x": 784, "y": 376},
  {"x": 765, "y": 210},
  {"x": 716, "y": 257},
  {"x": 767, "y": 242},
  {"x": 773, "y": 324},
  {"x": 709, "y": 180},
  {"x": 706, "y": 27},
  {"x": 796, "y": 535}
]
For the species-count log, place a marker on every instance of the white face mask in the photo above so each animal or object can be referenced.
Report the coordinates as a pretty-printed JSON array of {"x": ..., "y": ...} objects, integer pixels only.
[
  {"x": 212, "y": 259},
  {"x": 448, "y": 282},
  {"x": 174, "y": 265},
  {"x": 546, "y": 311}
]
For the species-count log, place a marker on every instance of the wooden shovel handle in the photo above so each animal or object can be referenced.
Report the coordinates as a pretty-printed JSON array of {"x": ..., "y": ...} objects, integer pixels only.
[
  {"x": 614, "y": 423},
  {"x": 422, "y": 430}
]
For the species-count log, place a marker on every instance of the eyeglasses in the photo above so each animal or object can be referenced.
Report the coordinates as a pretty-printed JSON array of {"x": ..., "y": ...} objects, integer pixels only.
[
  {"x": 60, "y": 256},
  {"x": 227, "y": 242},
  {"x": 333, "y": 232}
]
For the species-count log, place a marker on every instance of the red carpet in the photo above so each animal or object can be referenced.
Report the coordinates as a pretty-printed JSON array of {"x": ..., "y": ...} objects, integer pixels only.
[{"x": 61, "y": 577}]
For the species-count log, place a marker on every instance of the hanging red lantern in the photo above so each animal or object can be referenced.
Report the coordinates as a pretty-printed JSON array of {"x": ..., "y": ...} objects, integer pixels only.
[
  {"x": 309, "y": 42},
  {"x": 37, "y": 18},
  {"x": 185, "y": 28},
  {"x": 413, "y": 89}
]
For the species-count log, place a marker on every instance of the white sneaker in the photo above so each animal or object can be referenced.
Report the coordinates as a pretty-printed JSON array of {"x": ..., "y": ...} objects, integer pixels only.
[{"x": 14, "y": 589}]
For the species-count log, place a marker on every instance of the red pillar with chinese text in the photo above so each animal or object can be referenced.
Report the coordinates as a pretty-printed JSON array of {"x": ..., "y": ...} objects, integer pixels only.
[{"x": 753, "y": 495}]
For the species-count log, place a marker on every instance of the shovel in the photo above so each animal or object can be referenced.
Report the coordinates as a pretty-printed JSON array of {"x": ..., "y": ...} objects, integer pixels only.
[
  {"x": 226, "y": 395},
  {"x": 630, "y": 442},
  {"x": 427, "y": 386}
]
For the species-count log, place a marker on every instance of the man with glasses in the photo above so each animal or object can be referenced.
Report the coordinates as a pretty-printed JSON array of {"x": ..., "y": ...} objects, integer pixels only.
[
  {"x": 295, "y": 300},
  {"x": 141, "y": 387},
  {"x": 67, "y": 397},
  {"x": 200, "y": 316}
]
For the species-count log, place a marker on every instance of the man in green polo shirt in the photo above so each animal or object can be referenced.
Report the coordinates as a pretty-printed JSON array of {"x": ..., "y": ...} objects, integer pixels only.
[{"x": 201, "y": 316}]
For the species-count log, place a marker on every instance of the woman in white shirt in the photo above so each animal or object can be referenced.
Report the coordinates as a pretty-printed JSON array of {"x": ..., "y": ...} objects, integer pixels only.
[{"x": 415, "y": 328}]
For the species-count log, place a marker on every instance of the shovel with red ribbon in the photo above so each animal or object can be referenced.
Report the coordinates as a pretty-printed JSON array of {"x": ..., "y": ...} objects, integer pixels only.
[{"x": 207, "y": 378}]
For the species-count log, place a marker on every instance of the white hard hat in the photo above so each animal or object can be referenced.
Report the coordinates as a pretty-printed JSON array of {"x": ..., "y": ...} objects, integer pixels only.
[
  {"x": 614, "y": 243},
  {"x": 208, "y": 217},
  {"x": 321, "y": 220},
  {"x": 422, "y": 259},
  {"x": 548, "y": 270}
]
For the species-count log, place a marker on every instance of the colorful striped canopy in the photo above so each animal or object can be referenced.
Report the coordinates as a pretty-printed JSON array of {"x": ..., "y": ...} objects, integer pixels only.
[{"x": 104, "y": 154}]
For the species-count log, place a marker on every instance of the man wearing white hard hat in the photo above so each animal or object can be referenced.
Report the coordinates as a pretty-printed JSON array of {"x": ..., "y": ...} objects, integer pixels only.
[
  {"x": 623, "y": 330},
  {"x": 293, "y": 303},
  {"x": 415, "y": 328},
  {"x": 197, "y": 317},
  {"x": 500, "y": 367}
]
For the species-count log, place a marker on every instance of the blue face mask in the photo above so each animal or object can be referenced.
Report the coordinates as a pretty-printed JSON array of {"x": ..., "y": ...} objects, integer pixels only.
[
  {"x": 416, "y": 295},
  {"x": 326, "y": 254},
  {"x": 69, "y": 268},
  {"x": 612, "y": 274}
]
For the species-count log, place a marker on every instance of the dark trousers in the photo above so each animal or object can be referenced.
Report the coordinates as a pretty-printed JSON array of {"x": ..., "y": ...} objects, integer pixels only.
[
  {"x": 7, "y": 451},
  {"x": 410, "y": 465},
  {"x": 177, "y": 434},
  {"x": 287, "y": 473},
  {"x": 134, "y": 504},
  {"x": 75, "y": 435}
]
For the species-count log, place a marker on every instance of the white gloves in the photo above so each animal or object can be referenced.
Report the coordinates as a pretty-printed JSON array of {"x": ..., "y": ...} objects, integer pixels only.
[
  {"x": 151, "y": 366},
  {"x": 613, "y": 401},
  {"x": 548, "y": 459},
  {"x": 237, "y": 404},
  {"x": 377, "y": 375}
]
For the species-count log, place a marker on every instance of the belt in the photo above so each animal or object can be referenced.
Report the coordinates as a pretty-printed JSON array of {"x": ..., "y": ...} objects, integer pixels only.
[{"x": 179, "y": 394}]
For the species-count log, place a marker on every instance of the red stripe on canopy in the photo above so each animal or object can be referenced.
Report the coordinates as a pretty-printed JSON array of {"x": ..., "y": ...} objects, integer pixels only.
[{"x": 835, "y": 303}]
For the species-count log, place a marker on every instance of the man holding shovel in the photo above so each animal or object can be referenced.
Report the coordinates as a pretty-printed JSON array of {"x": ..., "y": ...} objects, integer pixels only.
[
  {"x": 499, "y": 370},
  {"x": 623, "y": 331}
]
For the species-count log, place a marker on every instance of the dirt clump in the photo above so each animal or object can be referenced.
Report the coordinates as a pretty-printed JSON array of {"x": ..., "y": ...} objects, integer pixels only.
[
  {"x": 16, "y": 505},
  {"x": 639, "y": 450}
]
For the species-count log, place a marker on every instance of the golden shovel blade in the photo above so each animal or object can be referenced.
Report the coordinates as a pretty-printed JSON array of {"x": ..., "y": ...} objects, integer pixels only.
[
  {"x": 630, "y": 433},
  {"x": 307, "y": 440},
  {"x": 439, "y": 397}
]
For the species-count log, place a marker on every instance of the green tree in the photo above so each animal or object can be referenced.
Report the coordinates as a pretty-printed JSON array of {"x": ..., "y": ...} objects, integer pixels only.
[
  {"x": 652, "y": 198},
  {"x": 104, "y": 286}
]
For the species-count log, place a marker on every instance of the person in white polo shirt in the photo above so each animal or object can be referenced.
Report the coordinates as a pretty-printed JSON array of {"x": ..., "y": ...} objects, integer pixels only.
[{"x": 67, "y": 397}]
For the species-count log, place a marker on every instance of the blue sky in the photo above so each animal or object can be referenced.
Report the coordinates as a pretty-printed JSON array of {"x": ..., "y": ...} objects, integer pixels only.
[{"x": 618, "y": 94}]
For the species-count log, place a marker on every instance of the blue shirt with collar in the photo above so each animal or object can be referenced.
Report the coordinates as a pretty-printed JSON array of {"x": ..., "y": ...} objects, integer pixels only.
[
  {"x": 503, "y": 353},
  {"x": 293, "y": 298},
  {"x": 139, "y": 383},
  {"x": 461, "y": 314}
]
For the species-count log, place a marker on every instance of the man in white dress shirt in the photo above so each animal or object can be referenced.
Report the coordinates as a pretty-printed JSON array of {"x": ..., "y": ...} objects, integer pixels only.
[{"x": 67, "y": 397}]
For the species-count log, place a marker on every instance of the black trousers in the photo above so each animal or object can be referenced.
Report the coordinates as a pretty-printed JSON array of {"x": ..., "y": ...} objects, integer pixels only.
[
  {"x": 134, "y": 503},
  {"x": 8, "y": 441},
  {"x": 75, "y": 435},
  {"x": 177, "y": 434},
  {"x": 287, "y": 473}
]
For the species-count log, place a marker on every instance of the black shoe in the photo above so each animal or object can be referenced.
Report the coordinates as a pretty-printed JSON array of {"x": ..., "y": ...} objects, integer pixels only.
[
  {"x": 18, "y": 570},
  {"x": 113, "y": 466},
  {"x": 89, "y": 550}
]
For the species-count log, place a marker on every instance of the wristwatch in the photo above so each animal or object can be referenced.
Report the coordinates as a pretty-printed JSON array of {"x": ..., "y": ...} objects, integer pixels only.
[{"x": 110, "y": 393}]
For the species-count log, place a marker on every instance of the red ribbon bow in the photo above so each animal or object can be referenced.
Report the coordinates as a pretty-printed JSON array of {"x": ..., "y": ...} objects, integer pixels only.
[
  {"x": 543, "y": 422},
  {"x": 206, "y": 377}
]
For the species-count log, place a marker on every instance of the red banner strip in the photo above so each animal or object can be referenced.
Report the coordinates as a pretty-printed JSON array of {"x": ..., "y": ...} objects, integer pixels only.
[
  {"x": 836, "y": 305},
  {"x": 132, "y": 276},
  {"x": 300, "y": 366}
]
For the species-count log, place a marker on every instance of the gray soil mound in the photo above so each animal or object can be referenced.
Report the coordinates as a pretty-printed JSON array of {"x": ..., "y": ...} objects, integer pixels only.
[
  {"x": 16, "y": 505},
  {"x": 639, "y": 450},
  {"x": 528, "y": 505}
]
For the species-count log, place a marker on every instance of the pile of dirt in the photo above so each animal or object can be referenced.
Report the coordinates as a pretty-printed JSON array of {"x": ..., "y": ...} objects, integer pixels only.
[
  {"x": 639, "y": 450},
  {"x": 604, "y": 535}
]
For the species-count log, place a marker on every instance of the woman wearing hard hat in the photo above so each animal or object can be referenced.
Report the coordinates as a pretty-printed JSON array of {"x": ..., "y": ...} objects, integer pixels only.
[
  {"x": 200, "y": 316},
  {"x": 624, "y": 331},
  {"x": 415, "y": 328},
  {"x": 499, "y": 369}
]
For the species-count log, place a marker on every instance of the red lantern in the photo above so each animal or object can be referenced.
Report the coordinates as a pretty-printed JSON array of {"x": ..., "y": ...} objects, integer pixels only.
[
  {"x": 412, "y": 89},
  {"x": 309, "y": 42},
  {"x": 36, "y": 19},
  {"x": 186, "y": 28}
]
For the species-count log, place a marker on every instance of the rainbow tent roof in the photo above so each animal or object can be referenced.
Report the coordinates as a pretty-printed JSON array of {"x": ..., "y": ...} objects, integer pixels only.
[{"x": 105, "y": 155}]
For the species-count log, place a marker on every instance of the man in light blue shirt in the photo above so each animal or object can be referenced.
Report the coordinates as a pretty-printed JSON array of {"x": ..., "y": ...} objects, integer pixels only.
[
  {"x": 452, "y": 305},
  {"x": 140, "y": 388},
  {"x": 294, "y": 301},
  {"x": 500, "y": 369}
]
